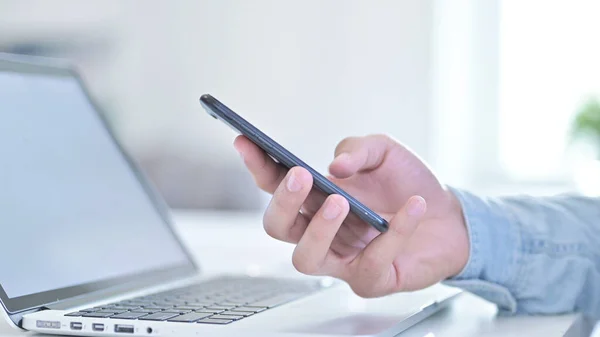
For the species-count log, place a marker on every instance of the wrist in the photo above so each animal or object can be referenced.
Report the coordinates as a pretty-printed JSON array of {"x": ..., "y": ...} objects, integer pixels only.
[{"x": 461, "y": 246}]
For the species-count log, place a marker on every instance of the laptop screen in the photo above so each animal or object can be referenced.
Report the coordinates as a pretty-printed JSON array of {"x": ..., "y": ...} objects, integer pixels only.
[{"x": 72, "y": 210}]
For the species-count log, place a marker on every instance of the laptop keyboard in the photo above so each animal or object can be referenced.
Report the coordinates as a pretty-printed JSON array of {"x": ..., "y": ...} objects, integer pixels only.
[{"x": 217, "y": 301}]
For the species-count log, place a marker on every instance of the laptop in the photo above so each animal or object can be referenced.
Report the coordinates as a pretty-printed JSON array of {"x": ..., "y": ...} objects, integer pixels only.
[{"x": 88, "y": 247}]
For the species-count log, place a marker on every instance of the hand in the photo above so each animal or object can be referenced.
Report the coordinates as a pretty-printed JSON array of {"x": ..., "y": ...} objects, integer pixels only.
[{"x": 427, "y": 240}]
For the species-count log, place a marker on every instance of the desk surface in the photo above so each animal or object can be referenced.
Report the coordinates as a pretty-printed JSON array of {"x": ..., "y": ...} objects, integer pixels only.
[{"x": 240, "y": 240}]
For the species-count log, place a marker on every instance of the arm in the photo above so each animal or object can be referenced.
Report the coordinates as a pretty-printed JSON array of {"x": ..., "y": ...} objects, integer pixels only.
[
  {"x": 533, "y": 255},
  {"x": 528, "y": 255}
]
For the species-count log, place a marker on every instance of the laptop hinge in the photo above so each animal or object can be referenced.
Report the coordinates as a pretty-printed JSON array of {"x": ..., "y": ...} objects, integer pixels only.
[{"x": 17, "y": 318}]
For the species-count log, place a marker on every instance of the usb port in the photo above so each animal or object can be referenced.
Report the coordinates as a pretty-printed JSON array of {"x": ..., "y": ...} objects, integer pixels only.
[
  {"x": 98, "y": 327},
  {"x": 76, "y": 326},
  {"x": 122, "y": 328}
]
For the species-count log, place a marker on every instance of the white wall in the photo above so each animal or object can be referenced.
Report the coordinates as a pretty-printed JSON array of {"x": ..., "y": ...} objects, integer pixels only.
[{"x": 309, "y": 73}]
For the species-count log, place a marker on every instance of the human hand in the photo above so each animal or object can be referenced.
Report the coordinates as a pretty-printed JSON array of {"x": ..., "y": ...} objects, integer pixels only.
[{"x": 427, "y": 240}]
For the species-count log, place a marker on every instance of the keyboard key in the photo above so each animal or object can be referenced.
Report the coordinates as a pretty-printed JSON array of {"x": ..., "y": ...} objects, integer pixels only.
[
  {"x": 201, "y": 299},
  {"x": 148, "y": 311},
  {"x": 178, "y": 311},
  {"x": 139, "y": 303},
  {"x": 188, "y": 307},
  {"x": 159, "y": 316},
  {"x": 274, "y": 301},
  {"x": 126, "y": 307},
  {"x": 190, "y": 318},
  {"x": 244, "y": 299},
  {"x": 235, "y": 318},
  {"x": 220, "y": 307},
  {"x": 215, "y": 321},
  {"x": 250, "y": 309},
  {"x": 232, "y": 303},
  {"x": 98, "y": 314},
  {"x": 113, "y": 310},
  {"x": 163, "y": 304},
  {"x": 171, "y": 304},
  {"x": 155, "y": 308},
  {"x": 213, "y": 300},
  {"x": 130, "y": 315},
  {"x": 213, "y": 311},
  {"x": 237, "y": 313},
  {"x": 175, "y": 300},
  {"x": 76, "y": 314},
  {"x": 91, "y": 309},
  {"x": 202, "y": 303}
]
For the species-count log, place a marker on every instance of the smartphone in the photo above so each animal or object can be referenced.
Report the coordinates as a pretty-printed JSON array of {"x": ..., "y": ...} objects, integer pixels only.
[{"x": 284, "y": 157}]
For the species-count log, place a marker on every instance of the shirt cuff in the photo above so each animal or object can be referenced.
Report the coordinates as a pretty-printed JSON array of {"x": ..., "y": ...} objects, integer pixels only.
[{"x": 494, "y": 254}]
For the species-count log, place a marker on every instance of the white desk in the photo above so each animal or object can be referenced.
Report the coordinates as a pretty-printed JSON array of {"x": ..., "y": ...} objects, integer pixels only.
[{"x": 242, "y": 246}]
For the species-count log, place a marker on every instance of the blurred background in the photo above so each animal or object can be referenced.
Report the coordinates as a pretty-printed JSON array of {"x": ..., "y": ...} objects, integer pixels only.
[{"x": 497, "y": 96}]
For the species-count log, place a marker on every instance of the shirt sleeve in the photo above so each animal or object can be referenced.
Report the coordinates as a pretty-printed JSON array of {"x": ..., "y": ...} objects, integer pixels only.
[{"x": 533, "y": 255}]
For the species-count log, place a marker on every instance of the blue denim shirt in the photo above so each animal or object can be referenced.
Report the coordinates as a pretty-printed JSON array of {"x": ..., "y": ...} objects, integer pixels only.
[{"x": 533, "y": 255}]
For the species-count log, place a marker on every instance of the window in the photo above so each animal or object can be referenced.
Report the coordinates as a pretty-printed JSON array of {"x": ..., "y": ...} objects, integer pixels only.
[{"x": 549, "y": 65}]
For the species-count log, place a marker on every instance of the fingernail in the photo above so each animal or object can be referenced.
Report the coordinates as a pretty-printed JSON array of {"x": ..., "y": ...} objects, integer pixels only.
[
  {"x": 238, "y": 151},
  {"x": 293, "y": 185},
  {"x": 332, "y": 210},
  {"x": 416, "y": 206}
]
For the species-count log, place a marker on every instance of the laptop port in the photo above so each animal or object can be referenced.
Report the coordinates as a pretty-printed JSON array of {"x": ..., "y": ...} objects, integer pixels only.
[
  {"x": 76, "y": 326},
  {"x": 98, "y": 327},
  {"x": 122, "y": 328}
]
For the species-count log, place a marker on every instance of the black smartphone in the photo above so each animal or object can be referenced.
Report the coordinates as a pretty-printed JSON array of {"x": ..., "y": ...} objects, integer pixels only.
[{"x": 284, "y": 157}]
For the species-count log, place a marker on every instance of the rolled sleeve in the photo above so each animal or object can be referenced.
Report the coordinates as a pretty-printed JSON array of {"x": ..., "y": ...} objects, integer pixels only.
[
  {"x": 494, "y": 260},
  {"x": 533, "y": 255}
]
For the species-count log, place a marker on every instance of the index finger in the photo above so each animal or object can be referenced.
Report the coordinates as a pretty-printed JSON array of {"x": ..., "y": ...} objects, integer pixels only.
[
  {"x": 266, "y": 172},
  {"x": 356, "y": 154}
]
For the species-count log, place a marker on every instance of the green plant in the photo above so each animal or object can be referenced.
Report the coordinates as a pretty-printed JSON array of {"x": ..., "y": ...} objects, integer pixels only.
[{"x": 587, "y": 123}]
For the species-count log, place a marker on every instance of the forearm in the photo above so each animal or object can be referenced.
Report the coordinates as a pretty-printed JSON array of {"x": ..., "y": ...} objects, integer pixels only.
[{"x": 533, "y": 255}]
